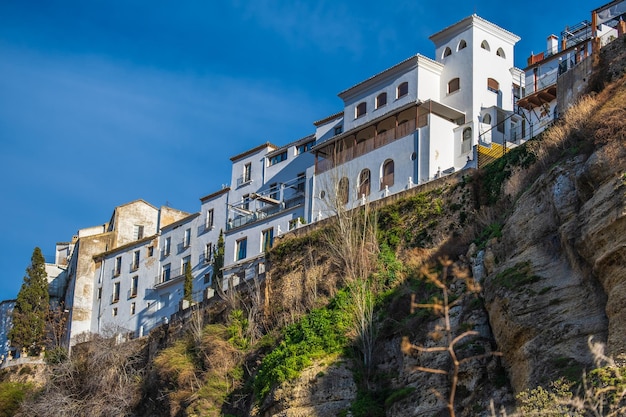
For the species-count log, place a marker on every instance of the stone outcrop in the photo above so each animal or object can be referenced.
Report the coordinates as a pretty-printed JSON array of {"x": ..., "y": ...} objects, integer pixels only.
[
  {"x": 561, "y": 279},
  {"x": 322, "y": 390}
]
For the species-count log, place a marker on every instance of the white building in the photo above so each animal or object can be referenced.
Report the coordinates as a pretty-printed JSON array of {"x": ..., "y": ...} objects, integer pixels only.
[
  {"x": 419, "y": 119},
  {"x": 266, "y": 199},
  {"x": 557, "y": 76},
  {"x": 415, "y": 121}
]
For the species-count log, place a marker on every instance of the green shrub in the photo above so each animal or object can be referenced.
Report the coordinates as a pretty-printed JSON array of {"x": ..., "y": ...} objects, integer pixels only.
[
  {"x": 11, "y": 396},
  {"x": 317, "y": 334}
]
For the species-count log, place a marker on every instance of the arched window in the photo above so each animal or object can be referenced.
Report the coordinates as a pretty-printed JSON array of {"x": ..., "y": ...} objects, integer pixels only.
[
  {"x": 485, "y": 45},
  {"x": 493, "y": 85},
  {"x": 454, "y": 85},
  {"x": 360, "y": 110},
  {"x": 343, "y": 190},
  {"x": 381, "y": 100},
  {"x": 387, "y": 174},
  {"x": 447, "y": 52},
  {"x": 462, "y": 45},
  {"x": 403, "y": 90},
  {"x": 364, "y": 183},
  {"x": 487, "y": 119},
  {"x": 500, "y": 53},
  {"x": 466, "y": 145}
]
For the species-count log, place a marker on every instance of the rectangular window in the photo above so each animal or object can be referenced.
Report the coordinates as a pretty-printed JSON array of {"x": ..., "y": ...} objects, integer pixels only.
[
  {"x": 132, "y": 309},
  {"x": 150, "y": 251},
  {"x": 186, "y": 261},
  {"x": 360, "y": 110},
  {"x": 209, "y": 220},
  {"x": 293, "y": 224},
  {"x": 278, "y": 158},
  {"x": 116, "y": 292},
  {"x": 114, "y": 311},
  {"x": 247, "y": 172},
  {"x": 403, "y": 90},
  {"x": 187, "y": 238},
  {"x": 208, "y": 252},
  {"x": 267, "y": 239},
  {"x": 138, "y": 232},
  {"x": 454, "y": 85},
  {"x": 300, "y": 149},
  {"x": 165, "y": 274},
  {"x": 134, "y": 284},
  {"x": 168, "y": 246},
  {"x": 241, "y": 249},
  {"x": 99, "y": 293},
  {"x": 338, "y": 130},
  {"x": 118, "y": 266},
  {"x": 207, "y": 278},
  {"x": 135, "y": 264},
  {"x": 245, "y": 202}
]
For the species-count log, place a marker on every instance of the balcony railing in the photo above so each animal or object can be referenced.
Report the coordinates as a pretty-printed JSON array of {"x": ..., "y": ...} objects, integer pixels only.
[
  {"x": 264, "y": 212},
  {"x": 366, "y": 146},
  {"x": 168, "y": 277}
]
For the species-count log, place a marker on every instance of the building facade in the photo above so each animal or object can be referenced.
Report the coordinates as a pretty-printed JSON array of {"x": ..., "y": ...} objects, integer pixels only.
[{"x": 415, "y": 121}]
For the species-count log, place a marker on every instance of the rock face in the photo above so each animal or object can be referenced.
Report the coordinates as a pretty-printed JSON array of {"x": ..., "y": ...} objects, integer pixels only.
[
  {"x": 321, "y": 390},
  {"x": 562, "y": 278}
]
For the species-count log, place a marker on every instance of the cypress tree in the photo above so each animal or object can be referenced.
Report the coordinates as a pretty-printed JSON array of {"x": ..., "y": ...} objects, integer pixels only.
[
  {"x": 31, "y": 307},
  {"x": 218, "y": 261},
  {"x": 188, "y": 287}
]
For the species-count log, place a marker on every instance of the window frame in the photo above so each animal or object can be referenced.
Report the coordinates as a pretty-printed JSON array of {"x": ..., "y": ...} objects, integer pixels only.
[
  {"x": 208, "y": 252},
  {"x": 247, "y": 172},
  {"x": 167, "y": 249},
  {"x": 387, "y": 179},
  {"x": 360, "y": 110},
  {"x": 134, "y": 286},
  {"x": 187, "y": 238},
  {"x": 381, "y": 100},
  {"x": 241, "y": 249},
  {"x": 117, "y": 270},
  {"x": 166, "y": 273},
  {"x": 209, "y": 221},
  {"x": 278, "y": 158},
  {"x": 493, "y": 85},
  {"x": 267, "y": 239},
  {"x": 365, "y": 184},
  {"x": 455, "y": 82},
  {"x": 115, "y": 296},
  {"x": 402, "y": 90},
  {"x": 136, "y": 258}
]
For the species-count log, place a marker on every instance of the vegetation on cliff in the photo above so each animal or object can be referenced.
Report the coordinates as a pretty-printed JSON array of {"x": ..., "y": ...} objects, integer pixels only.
[{"x": 346, "y": 288}]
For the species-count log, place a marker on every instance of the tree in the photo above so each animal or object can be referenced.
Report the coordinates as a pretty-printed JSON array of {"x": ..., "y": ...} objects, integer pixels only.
[
  {"x": 31, "y": 307},
  {"x": 351, "y": 240},
  {"x": 188, "y": 287},
  {"x": 218, "y": 262}
]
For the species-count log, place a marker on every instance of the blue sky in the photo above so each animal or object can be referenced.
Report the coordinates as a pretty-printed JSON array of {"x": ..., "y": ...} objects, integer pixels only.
[{"x": 105, "y": 102}]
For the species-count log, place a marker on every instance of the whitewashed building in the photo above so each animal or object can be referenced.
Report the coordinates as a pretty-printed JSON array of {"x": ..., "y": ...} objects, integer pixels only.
[
  {"x": 419, "y": 119},
  {"x": 415, "y": 121},
  {"x": 266, "y": 199}
]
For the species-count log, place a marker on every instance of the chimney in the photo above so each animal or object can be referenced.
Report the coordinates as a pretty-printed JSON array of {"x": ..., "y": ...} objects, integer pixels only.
[{"x": 553, "y": 45}]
